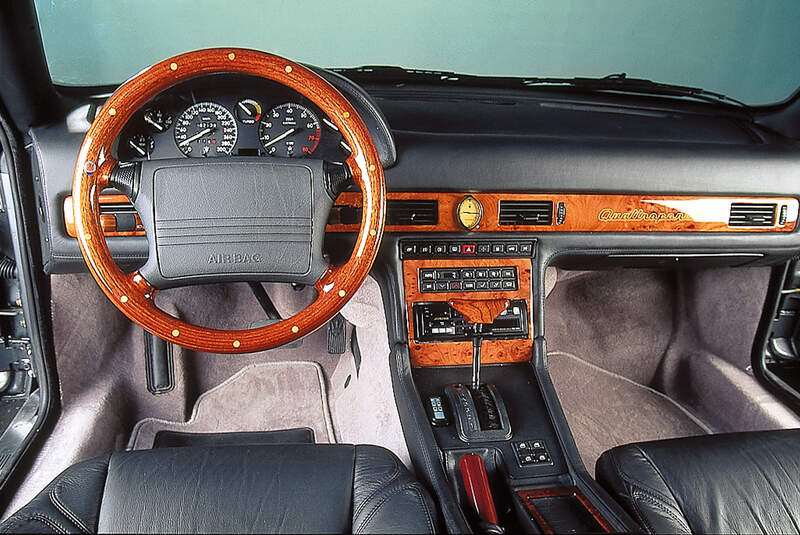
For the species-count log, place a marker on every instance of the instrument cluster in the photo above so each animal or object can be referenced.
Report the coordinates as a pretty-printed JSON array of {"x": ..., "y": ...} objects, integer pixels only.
[{"x": 231, "y": 115}]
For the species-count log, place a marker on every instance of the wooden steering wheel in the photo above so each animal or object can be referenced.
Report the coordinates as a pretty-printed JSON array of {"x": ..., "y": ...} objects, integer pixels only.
[{"x": 257, "y": 233}]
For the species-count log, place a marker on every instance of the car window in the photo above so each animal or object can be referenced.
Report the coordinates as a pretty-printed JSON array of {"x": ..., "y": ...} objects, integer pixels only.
[{"x": 746, "y": 49}]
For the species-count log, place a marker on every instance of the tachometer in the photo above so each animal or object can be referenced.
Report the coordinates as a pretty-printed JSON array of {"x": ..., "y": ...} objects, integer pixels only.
[
  {"x": 205, "y": 129},
  {"x": 289, "y": 130}
]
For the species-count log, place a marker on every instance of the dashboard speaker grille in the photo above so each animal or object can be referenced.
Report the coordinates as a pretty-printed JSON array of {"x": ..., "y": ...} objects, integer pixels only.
[
  {"x": 752, "y": 215},
  {"x": 526, "y": 212},
  {"x": 412, "y": 212}
]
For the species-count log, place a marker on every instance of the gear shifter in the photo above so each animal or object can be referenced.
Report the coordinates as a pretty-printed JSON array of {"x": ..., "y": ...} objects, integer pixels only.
[
  {"x": 478, "y": 314},
  {"x": 480, "y": 412}
]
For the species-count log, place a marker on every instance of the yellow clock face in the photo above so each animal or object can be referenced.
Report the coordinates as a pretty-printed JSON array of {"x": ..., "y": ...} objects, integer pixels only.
[{"x": 469, "y": 212}]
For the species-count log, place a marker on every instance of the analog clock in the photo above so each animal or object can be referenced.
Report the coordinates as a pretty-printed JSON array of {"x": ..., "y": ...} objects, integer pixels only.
[{"x": 469, "y": 212}]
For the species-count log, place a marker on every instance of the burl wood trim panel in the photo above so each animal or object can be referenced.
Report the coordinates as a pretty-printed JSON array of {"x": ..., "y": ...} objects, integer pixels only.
[
  {"x": 590, "y": 213},
  {"x": 585, "y": 213},
  {"x": 555, "y": 492},
  {"x": 457, "y": 353}
]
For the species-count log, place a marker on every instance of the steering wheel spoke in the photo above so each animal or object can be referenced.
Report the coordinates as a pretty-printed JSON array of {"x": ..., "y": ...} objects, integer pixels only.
[{"x": 202, "y": 228}]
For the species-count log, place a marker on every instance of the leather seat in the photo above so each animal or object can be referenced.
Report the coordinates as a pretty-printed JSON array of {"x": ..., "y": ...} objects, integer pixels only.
[
  {"x": 730, "y": 483},
  {"x": 298, "y": 488}
]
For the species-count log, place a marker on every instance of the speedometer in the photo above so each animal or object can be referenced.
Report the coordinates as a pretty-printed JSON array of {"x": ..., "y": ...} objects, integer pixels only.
[
  {"x": 289, "y": 130},
  {"x": 205, "y": 129}
]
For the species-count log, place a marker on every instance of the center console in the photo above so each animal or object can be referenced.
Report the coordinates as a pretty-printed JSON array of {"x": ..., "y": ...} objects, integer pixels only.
[{"x": 470, "y": 302}]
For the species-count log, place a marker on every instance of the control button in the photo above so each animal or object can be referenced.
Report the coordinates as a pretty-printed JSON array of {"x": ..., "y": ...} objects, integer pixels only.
[
  {"x": 428, "y": 286},
  {"x": 467, "y": 273},
  {"x": 526, "y": 248},
  {"x": 484, "y": 248},
  {"x": 494, "y": 273},
  {"x": 468, "y": 248},
  {"x": 425, "y": 249},
  {"x": 427, "y": 274},
  {"x": 509, "y": 285},
  {"x": 512, "y": 248},
  {"x": 409, "y": 248},
  {"x": 481, "y": 273},
  {"x": 495, "y": 285},
  {"x": 498, "y": 248},
  {"x": 454, "y": 248},
  {"x": 446, "y": 274},
  {"x": 482, "y": 285},
  {"x": 455, "y": 285},
  {"x": 469, "y": 285},
  {"x": 537, "y": 444},
  {"x": 440, "y": 249},
  {"x": 441, "y": 286},
  {"x": 509, "y": 273}
]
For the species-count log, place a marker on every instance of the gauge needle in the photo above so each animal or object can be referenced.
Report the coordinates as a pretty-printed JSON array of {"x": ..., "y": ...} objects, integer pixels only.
[
  {"x": 137, "y": 148},
  {"x": 282, "y": 136},
  {"x": 244, "y": 109},
  {"x": 195, "y": 137}
]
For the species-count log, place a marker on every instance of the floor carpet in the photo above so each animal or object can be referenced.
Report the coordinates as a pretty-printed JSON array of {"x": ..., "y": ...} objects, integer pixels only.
[
  {"x": 604, "y": 409},
  {"x": 233, "y": 407},
  {"x": 641, "y": 355}
]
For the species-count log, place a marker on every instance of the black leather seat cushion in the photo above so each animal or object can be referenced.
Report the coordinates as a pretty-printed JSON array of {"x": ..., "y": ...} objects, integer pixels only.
[
  {"x": 302, "y": 488},
  {"x": 730, "y": 483}
]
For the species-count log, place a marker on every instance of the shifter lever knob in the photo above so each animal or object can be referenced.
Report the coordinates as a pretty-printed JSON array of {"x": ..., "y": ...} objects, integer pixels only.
[{"x": 480, "y": 310}]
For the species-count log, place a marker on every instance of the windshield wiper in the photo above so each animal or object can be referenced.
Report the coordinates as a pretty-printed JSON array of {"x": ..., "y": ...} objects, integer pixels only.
[{"x": 613, "y": 82}]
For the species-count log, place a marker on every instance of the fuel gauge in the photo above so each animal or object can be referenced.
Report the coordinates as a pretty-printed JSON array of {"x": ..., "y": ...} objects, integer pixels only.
[
  {"x": 141, "y": 145},
  {"x": 248, "y": 111}
]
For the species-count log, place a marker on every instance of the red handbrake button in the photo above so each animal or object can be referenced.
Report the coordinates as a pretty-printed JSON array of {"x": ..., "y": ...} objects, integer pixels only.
[{"x": 468, "y": 248}]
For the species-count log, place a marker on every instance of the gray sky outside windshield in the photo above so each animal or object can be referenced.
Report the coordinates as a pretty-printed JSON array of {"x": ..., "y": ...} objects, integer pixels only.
[{"x": 746, "y": 49}]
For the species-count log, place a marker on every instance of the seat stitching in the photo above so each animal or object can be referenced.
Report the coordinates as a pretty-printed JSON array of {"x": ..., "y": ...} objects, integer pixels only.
[
  {"x": 655, "y": 501},
  {"x": 383, "y": 500},
  {"x": 642, "y": 519},
  {"x": 428, "y": 515},
  {"x": 61, "y": 506},
  {"x": 626, "y": 477},
  {"x": 657, "y": 471},
  {"x": 49, "y": 522},
  {"x": 378, "y": 490}
]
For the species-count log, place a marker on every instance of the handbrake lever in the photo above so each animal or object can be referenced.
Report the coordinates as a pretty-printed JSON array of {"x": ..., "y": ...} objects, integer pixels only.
[{"x": 476, "y": 484}]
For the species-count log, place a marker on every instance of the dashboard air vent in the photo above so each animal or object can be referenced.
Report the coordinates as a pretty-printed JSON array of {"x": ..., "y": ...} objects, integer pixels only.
[
  {"x": 412, "y": 212},
  {"x": 526, "y": 212},
  {"x": 752, "y": 215}
]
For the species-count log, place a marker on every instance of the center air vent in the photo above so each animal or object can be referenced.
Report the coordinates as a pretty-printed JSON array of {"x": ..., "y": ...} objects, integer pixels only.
[
  {"x": 752, "y": 215},
  {"x": 526, "y": 212},
  {"x": 412, "y": 212}
]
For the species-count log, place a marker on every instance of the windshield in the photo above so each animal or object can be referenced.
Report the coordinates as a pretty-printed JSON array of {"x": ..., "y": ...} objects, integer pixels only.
[{"x": 744, "y": 49}]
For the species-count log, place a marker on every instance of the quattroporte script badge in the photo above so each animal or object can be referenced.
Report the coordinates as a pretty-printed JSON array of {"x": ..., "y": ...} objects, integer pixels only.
[
  {"x": 607, "y": 214},
  {"x": 235, "y": 258}
]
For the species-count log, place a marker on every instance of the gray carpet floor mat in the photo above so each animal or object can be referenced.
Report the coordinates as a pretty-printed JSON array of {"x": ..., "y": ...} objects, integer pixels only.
[
  {"x": 232, "y": 407},
  {"x": 605, "y": 409}
]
